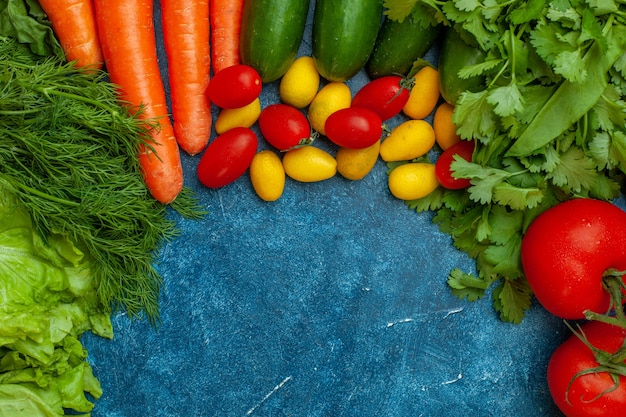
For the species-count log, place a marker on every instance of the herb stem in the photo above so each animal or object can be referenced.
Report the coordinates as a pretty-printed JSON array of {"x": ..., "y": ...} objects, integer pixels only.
[
  {"x": 500, "y": 72},
  {"x": 47, "y": 91},
  {"x": 19, "y": 112},
  {"x": 38, "y": 193}
]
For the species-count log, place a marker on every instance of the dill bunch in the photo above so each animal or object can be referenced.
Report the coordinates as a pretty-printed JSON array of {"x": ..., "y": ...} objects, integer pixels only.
[{"x": 68, "y": 148}]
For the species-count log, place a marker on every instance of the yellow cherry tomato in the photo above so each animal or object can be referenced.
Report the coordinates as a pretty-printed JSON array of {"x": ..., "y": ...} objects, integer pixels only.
[
  {"x": 445, "y": 129},
  {"x": 424, "y": 94},
  {"x": 244, "y": 116},
  {"x": 413, "y": 180},
  {"x": 332, "y": 97},
  {"x": 409, "y": 140},
  {"x": 355, "y": 164},
  {"x": 309, "y": 164},
  {"x": 267, "y": 175},
  {"x": 300, "y": 83}
]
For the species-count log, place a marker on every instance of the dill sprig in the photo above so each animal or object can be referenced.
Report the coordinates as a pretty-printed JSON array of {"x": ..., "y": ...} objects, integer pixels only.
[{"x": 69, "y": 150}]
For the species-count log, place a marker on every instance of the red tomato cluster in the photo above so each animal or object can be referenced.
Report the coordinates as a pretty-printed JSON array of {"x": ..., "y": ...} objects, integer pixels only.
[{"x": 574, "y": 257}]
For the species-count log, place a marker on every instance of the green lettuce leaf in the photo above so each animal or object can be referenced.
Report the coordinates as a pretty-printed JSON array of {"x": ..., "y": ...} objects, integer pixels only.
[{"x": 47, "y": 301}]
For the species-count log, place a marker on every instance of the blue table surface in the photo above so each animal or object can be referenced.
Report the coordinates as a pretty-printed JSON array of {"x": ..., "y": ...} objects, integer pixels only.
[{"x": 331, "y": 301}]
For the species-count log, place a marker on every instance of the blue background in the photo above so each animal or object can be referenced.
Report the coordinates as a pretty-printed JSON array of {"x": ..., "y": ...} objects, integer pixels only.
[{"x": 331, "y": 301}]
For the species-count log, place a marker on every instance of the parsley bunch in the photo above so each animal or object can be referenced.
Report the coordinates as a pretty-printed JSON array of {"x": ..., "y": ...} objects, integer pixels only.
[{"x": 550, "y": 125}]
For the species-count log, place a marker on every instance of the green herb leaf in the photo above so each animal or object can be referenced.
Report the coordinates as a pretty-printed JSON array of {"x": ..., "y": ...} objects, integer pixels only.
[
  {"x": 69, "y": 150},
  {"x": 549, "y": 125},
  {"x": 467, "y": 286},
  {"x": 574, "y": 170},
  {"x": 25, "y": 21},
  {"x": 507, "y": 100},
  {"x": 511, "y": 299}
]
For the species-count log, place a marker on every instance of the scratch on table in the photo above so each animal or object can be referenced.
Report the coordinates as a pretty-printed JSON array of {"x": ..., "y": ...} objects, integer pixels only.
[
  {"x": 219, "y": 196},
  {"x": 458, "y": 377},
  {"x": 452, "y": 381},
  {"x": 453, "y": 311},
  {"x": 268, "y": 395},
  {"x": 448, "y": 313},
  {"x": 393, "y": 323}
]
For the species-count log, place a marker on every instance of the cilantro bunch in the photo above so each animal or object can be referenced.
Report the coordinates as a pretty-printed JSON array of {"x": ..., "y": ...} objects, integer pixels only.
[{"x": 550, "y": 125}]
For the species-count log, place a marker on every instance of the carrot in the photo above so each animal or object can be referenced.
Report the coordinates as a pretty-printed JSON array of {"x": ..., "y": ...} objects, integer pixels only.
[
  {"x": 225, "y": 29},
  {"x": 186, "y": 37},
  {"x": 128, "y": 42},
  {"x": 74, "y": 25}
]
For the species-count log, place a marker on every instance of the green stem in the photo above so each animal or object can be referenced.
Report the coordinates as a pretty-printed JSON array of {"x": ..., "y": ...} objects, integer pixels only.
[
  {"x": 34, "y": 191},
  {"x": 497, "y": 76},
  {"x": 613, "y": 321},
  {"x": 620, "y": 356},
  {"x": 18, "y": 112},
  {"x": 47, "y": 91},
  {"x": 613, "y": 284}
]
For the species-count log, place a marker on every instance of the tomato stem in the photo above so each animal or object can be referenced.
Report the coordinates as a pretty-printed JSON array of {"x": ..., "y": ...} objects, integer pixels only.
[
  {"x": 613, "y": 272},
  {"x": 613, "y": 321},
  {"x": 611, "y": 363},
  {"x": 620, "y": 356},
  {"x": 406, "y": 83},
  {"x": 613, "y": 283}
]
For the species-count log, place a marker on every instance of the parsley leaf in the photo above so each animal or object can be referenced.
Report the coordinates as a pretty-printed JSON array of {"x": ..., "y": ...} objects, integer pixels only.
[
  {"x": 467, "y": 286},
  {"x": 574, "y": 170},
  {"x": 507, "y": 100},
  {"x": 511, "y": 299}
]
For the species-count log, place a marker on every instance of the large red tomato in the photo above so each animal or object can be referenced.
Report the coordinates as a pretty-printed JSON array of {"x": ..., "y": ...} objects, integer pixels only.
[
  {"x": 592, "y": 394},
  {"x": 567, "y": 250}
]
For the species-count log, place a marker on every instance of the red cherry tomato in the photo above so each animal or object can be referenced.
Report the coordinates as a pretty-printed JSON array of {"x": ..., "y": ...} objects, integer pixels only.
[
  {"x": 227, "y": 157},
  {"x": 284, "y": 126},
  {"x": 591, "y": 394},
  {"x": 354, "y": 127},
  {"x": 386, "y": 96},
  {"x": 443, "y": 171},
  {"x": 234, "y": 87},
  {"x": 566, "y": 251}
]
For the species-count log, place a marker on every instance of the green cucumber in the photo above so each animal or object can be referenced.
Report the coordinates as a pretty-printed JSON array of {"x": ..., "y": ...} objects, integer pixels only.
[
  {"x": 455, "y": 54},
  {"x": 344, "y": 34},
  {"x": 399, "y": 45},
  {"x": 271, "y": 32}
]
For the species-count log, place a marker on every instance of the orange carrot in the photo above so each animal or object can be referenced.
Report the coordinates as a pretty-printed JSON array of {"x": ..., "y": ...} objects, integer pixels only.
[
  {"x": 186, "y": 37},
  {"x": 128, "y": 42},
  {"x": 225, "y": 29},
  {"x": 74, "y": 25}
]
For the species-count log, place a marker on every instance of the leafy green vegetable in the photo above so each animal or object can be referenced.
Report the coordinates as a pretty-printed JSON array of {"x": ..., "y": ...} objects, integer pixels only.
[
  {"x": 69, "y": 151},
  {"x": 48, "y": 299},
  {"x": 550, "y": 124},
  {"x": 26, "y": 21}
]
